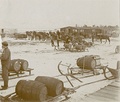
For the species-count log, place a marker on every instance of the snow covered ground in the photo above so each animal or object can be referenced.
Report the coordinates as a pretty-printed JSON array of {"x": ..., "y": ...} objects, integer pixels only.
[{"x": 44, "y": 60}]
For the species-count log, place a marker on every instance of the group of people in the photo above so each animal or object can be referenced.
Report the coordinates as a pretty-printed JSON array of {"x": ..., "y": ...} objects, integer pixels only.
[
  {"x": 5, "y": 58},
  {"x": 58, "y": 38}
]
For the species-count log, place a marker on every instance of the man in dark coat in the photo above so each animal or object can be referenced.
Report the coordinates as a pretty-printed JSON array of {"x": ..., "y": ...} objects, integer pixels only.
[{"x": 5, "y": 62}]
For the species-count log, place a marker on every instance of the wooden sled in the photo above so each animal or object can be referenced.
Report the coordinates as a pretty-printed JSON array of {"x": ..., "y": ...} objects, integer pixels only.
[
  {"x": 108, "y": 73},
  {"x": 114, "y": 73},
  {"x": 65, "y": 95},
  {"x": 13, "y": 97},
  {"x": 19, "y": 74}
]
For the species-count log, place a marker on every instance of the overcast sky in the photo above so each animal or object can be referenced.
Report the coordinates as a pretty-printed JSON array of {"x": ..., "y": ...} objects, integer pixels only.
[{"x": 53, "y": 14}]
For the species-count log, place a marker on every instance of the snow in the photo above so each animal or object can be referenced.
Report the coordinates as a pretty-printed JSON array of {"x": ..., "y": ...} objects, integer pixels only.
[{"x": 44, "y": 60}]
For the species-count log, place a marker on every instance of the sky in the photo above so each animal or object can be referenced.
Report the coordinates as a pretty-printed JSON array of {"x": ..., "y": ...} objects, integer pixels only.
[{"x": 54, "y": 14}]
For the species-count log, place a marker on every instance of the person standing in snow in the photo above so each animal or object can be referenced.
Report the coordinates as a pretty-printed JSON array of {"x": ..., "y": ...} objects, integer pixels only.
[{"x": 5, "y": 63}]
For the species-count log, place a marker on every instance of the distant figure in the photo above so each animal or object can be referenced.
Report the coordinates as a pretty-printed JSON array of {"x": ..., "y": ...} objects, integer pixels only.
[
  {"x": 0, "y": 47},
  {"x": 52, "y": 40},
  {"x": 5, "y": 62},
  {"x": 58, "y": 38},
  {"x": 0, "y": 42},
  {"x": 67, "y": 40},
  {"x": 93, "y": 36}
]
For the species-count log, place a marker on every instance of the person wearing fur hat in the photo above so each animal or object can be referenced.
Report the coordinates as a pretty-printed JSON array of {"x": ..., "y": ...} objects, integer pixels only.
[{"x": 5, "y": 62}]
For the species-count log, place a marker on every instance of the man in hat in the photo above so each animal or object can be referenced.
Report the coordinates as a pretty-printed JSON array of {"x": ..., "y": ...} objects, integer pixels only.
[{"x": 5, "y": 62}]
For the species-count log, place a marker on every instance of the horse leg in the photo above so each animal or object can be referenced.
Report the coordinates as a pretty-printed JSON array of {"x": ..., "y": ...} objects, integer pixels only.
[
  {"x": 109, "y": 40},
  {"x": 100, "y": 40},
  {"x": 105, "y": 41}
]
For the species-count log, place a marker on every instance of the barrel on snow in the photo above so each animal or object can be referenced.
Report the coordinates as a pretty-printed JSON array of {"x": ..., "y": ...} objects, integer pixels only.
[
  {"x": 18, "y": 64},
  {"x": 24, "y": 64},
  {"x": 31, "y": 90},
  {"x": 54, "y": 86},
  {"x": 89, "y": 62},
  {"x": 15, "y": 65}
]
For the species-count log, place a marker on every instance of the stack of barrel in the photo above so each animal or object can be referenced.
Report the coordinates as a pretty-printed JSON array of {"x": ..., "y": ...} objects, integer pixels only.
[
  {"x": 18, "y": 64},
  {"x": 39, "y": 89}
]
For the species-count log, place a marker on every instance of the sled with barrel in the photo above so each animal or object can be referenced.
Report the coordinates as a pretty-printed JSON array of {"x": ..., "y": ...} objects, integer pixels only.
[
  {"x": 51, "y": 89},
  {"x": 88, "y": 66},
  {"x": 18, "y": 68},
  {"x": 42, "y": 89}
]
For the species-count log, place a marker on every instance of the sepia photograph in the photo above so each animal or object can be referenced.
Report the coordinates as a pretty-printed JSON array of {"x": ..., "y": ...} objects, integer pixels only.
[{"x": 59, "y": 50}]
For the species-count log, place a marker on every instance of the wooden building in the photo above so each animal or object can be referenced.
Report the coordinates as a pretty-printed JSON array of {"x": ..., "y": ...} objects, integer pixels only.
[{"x": 85, "y": 31}]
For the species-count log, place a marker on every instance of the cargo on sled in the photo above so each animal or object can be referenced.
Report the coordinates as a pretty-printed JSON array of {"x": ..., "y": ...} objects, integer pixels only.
[{"x": 50, "y": 89}]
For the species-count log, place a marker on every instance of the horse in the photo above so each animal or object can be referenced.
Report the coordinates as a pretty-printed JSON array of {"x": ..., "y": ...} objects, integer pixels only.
[
  {"x": 30, "y": 35},
  {"x": 101, "y": 37}
]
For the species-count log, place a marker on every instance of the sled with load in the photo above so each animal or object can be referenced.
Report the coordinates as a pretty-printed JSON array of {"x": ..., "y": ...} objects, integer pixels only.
[
  {"x": 51, "y": 89},
  {"x": 18, "y": 68},
  {"x": 42, "y": 89},
  {"x": 87, "y": 66}
]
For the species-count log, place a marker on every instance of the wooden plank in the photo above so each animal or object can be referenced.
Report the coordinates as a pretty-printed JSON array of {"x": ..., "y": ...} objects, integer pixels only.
[
  {"x": 111, "y": 88},
  {"x": 96, "y": 99},
  {"x": 28, "y": 69},
  {"x": 117, "y": 80},
  {"x": 115, "y": 88},
  {"x": 102, "y": 94},
  {"x": 113, "y": 91},
  {"x": 20, "y": 76},
  {"x": 115, "y": 84},
  {"x": 89, "y": 99},
  {"x": 102, "y": 99},
  {"x": 109, "y": 92},
  {"x": 99, "y": 99}
]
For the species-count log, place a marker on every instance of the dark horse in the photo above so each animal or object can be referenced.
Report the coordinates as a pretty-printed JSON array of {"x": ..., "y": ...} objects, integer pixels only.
[{"x": 101, "y": 37}]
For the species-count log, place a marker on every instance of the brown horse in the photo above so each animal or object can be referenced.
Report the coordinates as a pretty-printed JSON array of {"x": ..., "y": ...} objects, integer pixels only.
[{"x": 101, "y": 37}]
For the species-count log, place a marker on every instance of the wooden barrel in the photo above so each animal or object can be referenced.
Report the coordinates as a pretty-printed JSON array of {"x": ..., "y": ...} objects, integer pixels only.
[
  {"x": 31, "y": 90},
  {"x": 24, "y": 64},
  {"x": 54, "y": 86},
  {"x": 117, "y": 49},
  {"x": 15, "y": 65},
  {"x": 39, "y": 91},
  {"x": 89, "y": 62},
  {"x": 19, "y": 87}
]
